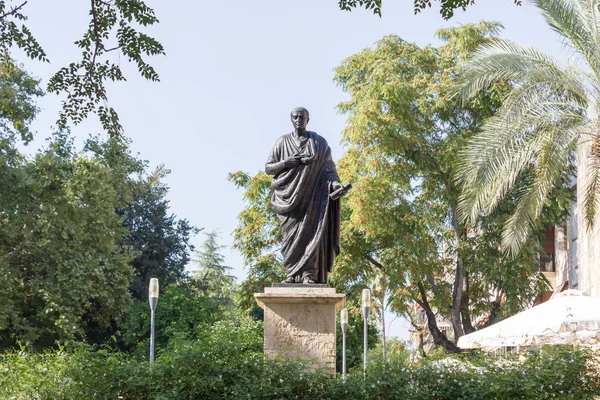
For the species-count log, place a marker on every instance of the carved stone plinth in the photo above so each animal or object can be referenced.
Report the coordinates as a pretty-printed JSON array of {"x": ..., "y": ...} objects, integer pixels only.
[{"x": 300, "y": 322}]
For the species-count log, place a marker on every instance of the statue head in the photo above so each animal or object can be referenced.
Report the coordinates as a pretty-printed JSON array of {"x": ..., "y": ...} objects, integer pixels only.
[{"x": 300, "y": 118}]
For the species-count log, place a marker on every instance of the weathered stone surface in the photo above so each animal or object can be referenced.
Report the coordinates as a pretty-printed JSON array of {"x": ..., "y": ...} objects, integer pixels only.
[
  {"x": 301, "y": 285},
  {"x": 300, "y": 323}
]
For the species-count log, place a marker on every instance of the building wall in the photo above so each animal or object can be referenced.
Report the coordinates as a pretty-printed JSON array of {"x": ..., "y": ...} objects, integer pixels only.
[
  {"x": 561, "y": 254},
  {"x": 588, "y": 240},
  {"x": 571, "y": 226},
  {"x": 565, "y": 241}
]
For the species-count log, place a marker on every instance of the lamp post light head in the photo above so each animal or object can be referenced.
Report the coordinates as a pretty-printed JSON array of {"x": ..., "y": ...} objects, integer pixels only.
[
  {"x": 153, "y": 293},
  {"x": 366, "y": 298},
  {"x": 344, "y": 316},
  {"x": 344, "y": 320},
  {"x": 153, "y": 290}
]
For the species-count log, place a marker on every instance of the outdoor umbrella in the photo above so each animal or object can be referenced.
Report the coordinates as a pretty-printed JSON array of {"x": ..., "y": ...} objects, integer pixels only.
[{"x": 570, "y": 317}]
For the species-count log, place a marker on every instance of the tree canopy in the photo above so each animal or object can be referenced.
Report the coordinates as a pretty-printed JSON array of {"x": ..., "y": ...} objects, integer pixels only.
[{"x": 403, "y": 133}]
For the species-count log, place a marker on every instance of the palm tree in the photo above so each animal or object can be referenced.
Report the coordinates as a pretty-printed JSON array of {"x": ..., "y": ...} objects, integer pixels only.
[{"x": 545, "y": 115}]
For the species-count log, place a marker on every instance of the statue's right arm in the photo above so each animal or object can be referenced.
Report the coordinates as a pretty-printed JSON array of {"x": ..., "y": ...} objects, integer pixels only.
[{"x": 274, "y": 168}]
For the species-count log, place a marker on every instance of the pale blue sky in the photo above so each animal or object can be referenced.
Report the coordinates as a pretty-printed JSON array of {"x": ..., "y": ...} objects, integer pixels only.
[{"x": 233, "y": 71}]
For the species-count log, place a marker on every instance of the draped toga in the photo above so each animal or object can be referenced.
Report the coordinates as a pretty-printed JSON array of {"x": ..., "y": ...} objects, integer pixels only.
[{"x": 310, "y": 220}]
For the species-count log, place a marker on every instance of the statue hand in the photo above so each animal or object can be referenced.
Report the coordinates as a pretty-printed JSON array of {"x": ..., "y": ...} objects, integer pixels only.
[
  {"x": 291, "y": 162},
  {"x": 335, "y": 185}
]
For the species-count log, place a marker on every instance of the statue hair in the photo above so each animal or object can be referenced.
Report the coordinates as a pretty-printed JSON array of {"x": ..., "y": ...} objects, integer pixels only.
[{"x": 304, "y": 110}]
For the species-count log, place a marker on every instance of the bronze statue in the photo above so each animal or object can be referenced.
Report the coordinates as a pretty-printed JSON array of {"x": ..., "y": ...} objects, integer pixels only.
[{"x": 306, "y": 199}]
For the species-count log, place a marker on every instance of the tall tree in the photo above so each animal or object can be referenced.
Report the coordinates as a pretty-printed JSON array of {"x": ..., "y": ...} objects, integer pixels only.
[
  {"x": 160, "y": 241},
  {"x": 543, "y": 118},
  {"x": 62, "y": 266},
  {"x": 212, "y": 277},
  {"x": 403, "y": 133}
]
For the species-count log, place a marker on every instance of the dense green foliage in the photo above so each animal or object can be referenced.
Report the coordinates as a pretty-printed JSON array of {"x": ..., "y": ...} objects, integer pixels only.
[
  {"x": 75, "y": 227},
  {"x": 227, "y": 364},
  {"x": 61, "y": 262}
]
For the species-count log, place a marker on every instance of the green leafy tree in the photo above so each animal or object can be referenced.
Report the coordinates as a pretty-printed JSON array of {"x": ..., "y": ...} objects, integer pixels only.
[
  {"x": 160, "y": 241},
  {"x": 212, "y": 277},
  {"x": 62, "y": 266},
  {"x": 59, "y": 267},
  {"x": 543, "y": 118},
  {"x": 112, "y": 30},
  {"x": 401, "y": 219}
]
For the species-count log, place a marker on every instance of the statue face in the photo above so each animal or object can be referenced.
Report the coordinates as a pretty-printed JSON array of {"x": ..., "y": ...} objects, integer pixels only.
[{"x": 299, "y": 119}]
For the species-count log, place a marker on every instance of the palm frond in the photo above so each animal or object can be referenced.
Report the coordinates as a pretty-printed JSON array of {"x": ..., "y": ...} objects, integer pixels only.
[
  {"x": 504, "y": 61},
  {"x": 493, "y": 160},
  {"x": 577, "y": 22},
  {"x": 551, "y": 159},
  {"x": 592, "y": 183}
]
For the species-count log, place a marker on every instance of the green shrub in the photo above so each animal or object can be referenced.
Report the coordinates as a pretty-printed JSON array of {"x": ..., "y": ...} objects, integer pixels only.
[{"x": 227, "y": 363}]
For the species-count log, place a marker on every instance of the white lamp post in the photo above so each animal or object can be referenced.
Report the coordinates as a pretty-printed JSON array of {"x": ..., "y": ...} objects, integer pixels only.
[
  {"x": 153, "y": 298},
  {"x": 366, "y": 305},
  {"x": 344, "y": 322}
]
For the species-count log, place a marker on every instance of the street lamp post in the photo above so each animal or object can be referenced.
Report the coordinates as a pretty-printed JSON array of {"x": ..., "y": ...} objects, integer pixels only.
[
  {"x": 344, "y": 322},
  {"x": 153, "y": 298},
  {"x": 366, "y": 305}
]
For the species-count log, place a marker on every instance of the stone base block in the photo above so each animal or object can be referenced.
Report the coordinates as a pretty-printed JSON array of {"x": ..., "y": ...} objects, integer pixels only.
[{"x": 300, "y": 323}]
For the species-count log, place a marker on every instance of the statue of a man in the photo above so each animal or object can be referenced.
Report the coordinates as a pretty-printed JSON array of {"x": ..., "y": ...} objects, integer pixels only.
[{"x": 304, "y": 177}]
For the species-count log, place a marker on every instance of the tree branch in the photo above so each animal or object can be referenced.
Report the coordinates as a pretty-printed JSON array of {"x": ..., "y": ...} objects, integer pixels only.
[
  {"x": 13, "y": 11},
  {"x": 434, "y": 286},
  {"x": 439, "y": 337},
  {"x": 493, "y": 314},
  {"x": 97, "y": 40},
  {"x": 374, "y": 261}
]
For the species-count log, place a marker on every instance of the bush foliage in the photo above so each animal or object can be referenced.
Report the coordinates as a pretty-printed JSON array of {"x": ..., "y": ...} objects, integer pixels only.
[{"x": 227, "y": 363}]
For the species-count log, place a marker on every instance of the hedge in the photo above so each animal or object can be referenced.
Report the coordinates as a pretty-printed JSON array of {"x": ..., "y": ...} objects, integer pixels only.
[{"x": 227, "y": 363}]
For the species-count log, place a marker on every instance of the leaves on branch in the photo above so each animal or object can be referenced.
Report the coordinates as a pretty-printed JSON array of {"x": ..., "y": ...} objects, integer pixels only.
[
  {"x": 447, "y": 6},
  {"x": 112, "y": 29}
]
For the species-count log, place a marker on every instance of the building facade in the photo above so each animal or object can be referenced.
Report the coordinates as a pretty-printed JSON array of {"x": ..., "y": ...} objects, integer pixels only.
[{"x": 577, "y": 247}]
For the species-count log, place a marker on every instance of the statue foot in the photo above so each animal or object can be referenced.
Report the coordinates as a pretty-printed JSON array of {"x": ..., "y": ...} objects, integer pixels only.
[
  {"x": 307, "y": 280},
  {"x": 289, "y": 279}
]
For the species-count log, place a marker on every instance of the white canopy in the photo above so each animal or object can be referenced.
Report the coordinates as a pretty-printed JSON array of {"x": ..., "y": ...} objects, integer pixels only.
[{"x": 570, "y": 317}]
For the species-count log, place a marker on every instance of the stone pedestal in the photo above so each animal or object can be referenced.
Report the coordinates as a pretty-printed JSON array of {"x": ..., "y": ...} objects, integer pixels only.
[{"x": 300, "y": 322}]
